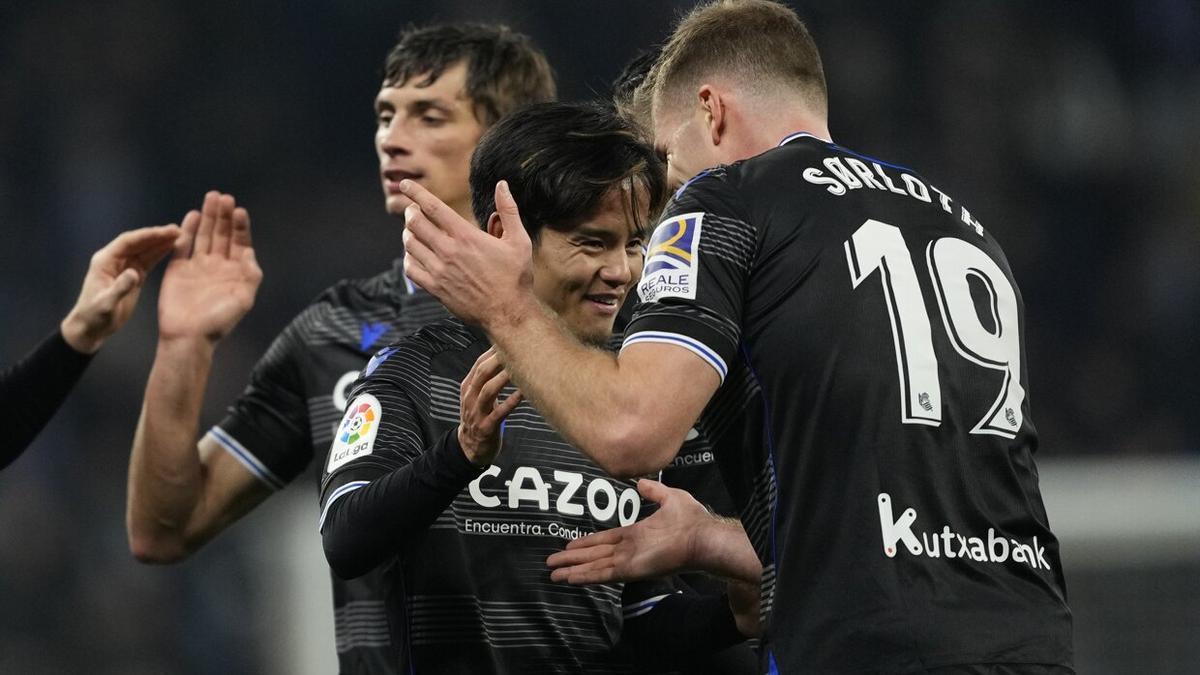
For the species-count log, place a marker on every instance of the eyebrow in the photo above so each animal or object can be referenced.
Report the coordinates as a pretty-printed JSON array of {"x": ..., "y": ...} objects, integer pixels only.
[{"x": 419, "y": 105}]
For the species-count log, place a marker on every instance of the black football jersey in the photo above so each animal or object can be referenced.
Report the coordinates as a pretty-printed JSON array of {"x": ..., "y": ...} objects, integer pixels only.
[
  {"x": 472, "y": 593},
  {"x": 873, "y": 420},
  {"x": 293, "y": 403}
]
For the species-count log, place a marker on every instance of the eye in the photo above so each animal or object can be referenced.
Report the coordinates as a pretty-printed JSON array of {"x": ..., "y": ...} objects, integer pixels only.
[
  {"x": 384, "y": 119},
  {"x": 592, "y": 244},
  {"x": 636, "y": 246},
  {"x": 433, "y": 120}
]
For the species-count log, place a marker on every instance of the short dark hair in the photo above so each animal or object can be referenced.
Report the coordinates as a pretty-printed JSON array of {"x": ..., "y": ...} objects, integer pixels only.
[
  {"x": 760, "y": 42},
  {"x": 505, "y": 71},
  {"x": 631, "y": 90},
  {"x": 560, "y": 161}
]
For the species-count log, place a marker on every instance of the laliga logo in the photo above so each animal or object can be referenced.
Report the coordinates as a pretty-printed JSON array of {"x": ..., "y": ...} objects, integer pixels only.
[{"x": 359, "y": 424}]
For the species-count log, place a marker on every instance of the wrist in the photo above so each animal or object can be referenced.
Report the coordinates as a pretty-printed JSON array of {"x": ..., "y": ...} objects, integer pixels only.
[
  {"x": 476, "y": 455},
  {"x": 186, "y": 346},
  {"x": 76, "y": 334},
  {"x": 512, "y": 312}
]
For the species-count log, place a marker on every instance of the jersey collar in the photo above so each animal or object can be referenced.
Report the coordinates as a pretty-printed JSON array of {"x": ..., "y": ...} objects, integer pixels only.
[{"x": 800, "y": 134}]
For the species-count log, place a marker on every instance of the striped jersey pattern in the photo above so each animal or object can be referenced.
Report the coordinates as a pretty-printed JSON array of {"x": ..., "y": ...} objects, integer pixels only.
[
  {"x": 292, "y": 404},
  {"x": 472, "y": 593}
]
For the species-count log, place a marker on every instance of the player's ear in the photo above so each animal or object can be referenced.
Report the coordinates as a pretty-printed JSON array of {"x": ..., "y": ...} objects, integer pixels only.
[
  {"x": 714, "y": 112},
  {"x": 494, "y": 226}
]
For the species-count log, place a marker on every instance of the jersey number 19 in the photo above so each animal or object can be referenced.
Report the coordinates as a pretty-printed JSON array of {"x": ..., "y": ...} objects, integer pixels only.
[{"x": 951, "y": 263}]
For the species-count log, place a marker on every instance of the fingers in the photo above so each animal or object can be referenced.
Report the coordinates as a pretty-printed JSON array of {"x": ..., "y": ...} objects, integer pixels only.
[
  {"x": 223, "y": 228},
  {"x": 241, "y": 229},
  {"x": 125, "y": 282},
  {"x": 146, "y": 259},
  {"x": 422, "y": 237},
  {"x": 420, "y": 276},
  {"x": 135, "y": 242},
  {"x": 510, "y": 215},
  {"x": 599, "y": 572},
  {"x": 209, "y": 214},
  {"x": 580, "y": 555},
  {"x": 653, "y": 490},
  {"x": 440, "y": 216},
  {"x": 187, "y": 235}
]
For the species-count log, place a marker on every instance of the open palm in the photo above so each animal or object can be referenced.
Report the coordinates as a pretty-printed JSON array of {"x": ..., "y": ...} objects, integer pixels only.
[{"x": 212, "y": 278}]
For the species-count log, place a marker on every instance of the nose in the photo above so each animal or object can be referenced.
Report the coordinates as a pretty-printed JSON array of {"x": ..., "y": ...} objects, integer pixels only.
[
  {"x": 395, "y": 139},
  {"x": 618, "y": 268}
]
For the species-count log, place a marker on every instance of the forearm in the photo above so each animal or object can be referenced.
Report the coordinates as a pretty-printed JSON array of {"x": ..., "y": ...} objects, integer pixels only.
[
  {"x": 567, "y": 381},
  {"x": 368, "y": 525},
  {"x": 166, "y": 475},
  {"x": 33, "y": 389}
]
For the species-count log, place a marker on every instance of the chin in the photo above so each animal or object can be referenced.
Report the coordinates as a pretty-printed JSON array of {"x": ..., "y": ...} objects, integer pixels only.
[{"x": 395, "y": 205}]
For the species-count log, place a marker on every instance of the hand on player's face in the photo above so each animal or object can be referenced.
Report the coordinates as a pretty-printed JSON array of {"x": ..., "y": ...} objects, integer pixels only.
[
  {"x": 482, "y": 412},
  {"x": 112, "y": 284},
  {"x": 661, "y": 544},
  {"x": 213, "y": 276},
  {"x": 478, "y": 277}
]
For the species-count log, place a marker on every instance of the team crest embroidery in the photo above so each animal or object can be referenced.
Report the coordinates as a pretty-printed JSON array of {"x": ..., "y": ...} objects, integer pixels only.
[
  {"x": 672, "y": 261},
  {"x": 355, "y": 436}
]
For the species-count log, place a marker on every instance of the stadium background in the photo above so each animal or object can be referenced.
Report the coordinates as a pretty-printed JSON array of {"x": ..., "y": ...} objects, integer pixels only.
[{"x": 1070, "y": 128}]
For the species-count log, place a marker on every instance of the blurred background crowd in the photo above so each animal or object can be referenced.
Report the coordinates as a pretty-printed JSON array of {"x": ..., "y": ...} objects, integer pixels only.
[{"x": 1069, "y": 129}]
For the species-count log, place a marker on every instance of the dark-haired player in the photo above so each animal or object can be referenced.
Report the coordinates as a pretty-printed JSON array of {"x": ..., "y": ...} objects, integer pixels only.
[
  {"x": 442, "y": 87},
  {"x": 439, "y": 468},
  {"x": 887, "y": 473}
]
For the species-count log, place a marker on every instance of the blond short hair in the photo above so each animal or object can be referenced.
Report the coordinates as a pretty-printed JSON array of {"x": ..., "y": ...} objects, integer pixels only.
[{"x": 760, "y": 44}]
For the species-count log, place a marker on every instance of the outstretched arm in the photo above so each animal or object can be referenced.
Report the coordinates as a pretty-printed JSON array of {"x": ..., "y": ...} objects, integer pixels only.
[
  {"x": 33, "y": 389},
  {"x": 681, "y": 536},
  {"x": 487, "y": 280},
  {"x": 182, "y": 492}
]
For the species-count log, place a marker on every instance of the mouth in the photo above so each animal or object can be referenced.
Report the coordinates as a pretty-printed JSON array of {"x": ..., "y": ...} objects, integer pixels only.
[
  {"x": 392, "y": 178},
  {"x": 605, "y": 303}
]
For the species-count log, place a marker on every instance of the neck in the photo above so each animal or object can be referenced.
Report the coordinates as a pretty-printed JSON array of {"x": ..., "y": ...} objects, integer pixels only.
[{"x": 767, "y": 130}]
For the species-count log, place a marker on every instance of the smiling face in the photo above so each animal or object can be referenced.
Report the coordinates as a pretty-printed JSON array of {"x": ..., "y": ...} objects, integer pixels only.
[
  {"x": 427, "y": 134},
  {"x": 586, "y": 273}
]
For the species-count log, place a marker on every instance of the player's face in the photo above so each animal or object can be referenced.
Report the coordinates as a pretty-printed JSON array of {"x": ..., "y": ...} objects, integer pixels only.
[
  {"x": 681, "y": 135},
  {"x": 585, "y": 274},
  {"x": 427, "y": 134}
]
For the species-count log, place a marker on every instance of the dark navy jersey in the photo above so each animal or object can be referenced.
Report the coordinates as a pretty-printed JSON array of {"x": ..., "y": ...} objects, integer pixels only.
[
  {"x": 471, "y": 593},
  {"x": 294, "y": 400},
  {"x": 873, "y": 420}
]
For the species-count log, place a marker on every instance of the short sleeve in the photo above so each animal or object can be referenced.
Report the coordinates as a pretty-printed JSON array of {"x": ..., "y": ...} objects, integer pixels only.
[
  {"x": 267, "y": 428},
  {"x": 697, "y": 267}
]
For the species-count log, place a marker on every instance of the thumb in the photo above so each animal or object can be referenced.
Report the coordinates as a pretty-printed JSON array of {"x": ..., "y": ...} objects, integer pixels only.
[
  {"x": 125, "y": 282},
  {"x": 653, "y": 490},
  {"x": 510, "y": 215}
]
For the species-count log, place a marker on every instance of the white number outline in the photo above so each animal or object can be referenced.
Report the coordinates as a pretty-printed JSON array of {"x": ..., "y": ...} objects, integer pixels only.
[{"x": 916, "y": 360}]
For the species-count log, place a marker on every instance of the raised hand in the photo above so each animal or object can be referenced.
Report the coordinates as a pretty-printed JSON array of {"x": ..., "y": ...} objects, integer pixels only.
[
  {"x": 478, "y": 277},
  {"x": 113, "y": 283},
  {"x": 212, "y": 278},
  {"x": 482, "y": 412}
]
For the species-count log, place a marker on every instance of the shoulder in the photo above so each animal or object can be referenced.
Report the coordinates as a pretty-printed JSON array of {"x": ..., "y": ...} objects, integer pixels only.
[
  {"x": 338, "y": 313},
  {"x": 412, "y": 359}
]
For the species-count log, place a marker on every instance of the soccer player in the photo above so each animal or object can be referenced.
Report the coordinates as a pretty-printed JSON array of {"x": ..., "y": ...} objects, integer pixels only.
[
  {"x": 32, "y": 389},
  {"x": 423, "y": 475},
  {"x": 694, "y": 468},
  {"x": 887, "y": 477},
  {"x": 442, "y": 87}
]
